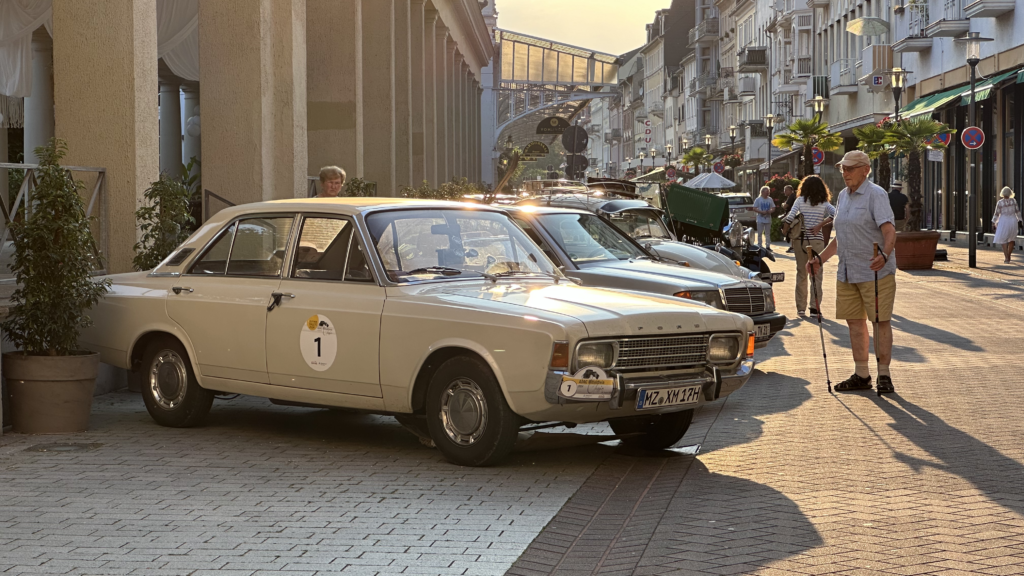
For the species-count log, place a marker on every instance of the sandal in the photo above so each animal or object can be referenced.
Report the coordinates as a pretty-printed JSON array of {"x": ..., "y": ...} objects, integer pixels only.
[
  {"x": 854, "y": 383},
  {"x": 884, "y": 385}
]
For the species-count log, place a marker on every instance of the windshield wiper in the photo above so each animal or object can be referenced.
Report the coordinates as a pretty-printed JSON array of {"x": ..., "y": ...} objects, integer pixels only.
[
  {"x": 448, "y": 271},
  {"x": 554, "y": 277}
]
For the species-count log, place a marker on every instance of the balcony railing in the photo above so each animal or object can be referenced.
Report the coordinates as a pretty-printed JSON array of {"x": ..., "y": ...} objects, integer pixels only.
[
  {"x": 748, "y": 86},
  {"x": 803, "y": 66},
  {"x": 844, "y": 76},
  {"x": 706, "y": 30},
  {"x": 706, "y": 80},
  {"x": 753, "y": 59},
  {"x": 953, "y": 10},
  {"x": 757, "y": 130}
]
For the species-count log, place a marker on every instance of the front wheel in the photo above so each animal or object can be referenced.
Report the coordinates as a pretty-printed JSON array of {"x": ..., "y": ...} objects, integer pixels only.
[
  {"x": 467, "y": 416},
  {"x": 653, "y": 432},
  {"x": 170, "y": 390}
]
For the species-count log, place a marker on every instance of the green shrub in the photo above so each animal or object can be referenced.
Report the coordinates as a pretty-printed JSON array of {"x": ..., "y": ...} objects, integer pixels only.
[{"x": 165, "y": 220}]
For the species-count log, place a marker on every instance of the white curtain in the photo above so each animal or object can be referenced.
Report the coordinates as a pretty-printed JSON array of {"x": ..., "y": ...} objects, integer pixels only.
[
  {"x": 18, "y": 19},
  {"x": 177, "y": 32}
]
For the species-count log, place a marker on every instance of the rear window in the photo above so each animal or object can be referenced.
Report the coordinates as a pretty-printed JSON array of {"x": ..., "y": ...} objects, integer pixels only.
[{"x": 739, "y": 200}]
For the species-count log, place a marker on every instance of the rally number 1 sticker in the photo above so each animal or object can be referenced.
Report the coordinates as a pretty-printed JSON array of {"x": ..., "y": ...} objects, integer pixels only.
[{"x": 318, "y": 342}]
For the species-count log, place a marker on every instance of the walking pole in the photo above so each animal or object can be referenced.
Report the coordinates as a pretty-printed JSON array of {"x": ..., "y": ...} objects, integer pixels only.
[
  {"x": 817, "y": 306},
  {"x": 876, "y": 312}
]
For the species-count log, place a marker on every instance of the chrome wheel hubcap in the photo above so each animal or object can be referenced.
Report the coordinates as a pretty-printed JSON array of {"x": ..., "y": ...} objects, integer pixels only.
[
  {"x": 463, "y": 411},
  {"x": 168, "y": 379}
]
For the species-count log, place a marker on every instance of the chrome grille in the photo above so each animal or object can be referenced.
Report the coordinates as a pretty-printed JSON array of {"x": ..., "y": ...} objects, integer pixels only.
[
  {"x": 662, "y": 351},
  {"x": 749, "y": 301}
]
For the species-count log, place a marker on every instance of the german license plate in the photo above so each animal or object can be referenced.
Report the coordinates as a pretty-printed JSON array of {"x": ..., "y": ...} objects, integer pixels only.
[
  {"x": 762, "y": 330},
  {"x": 778, "y": 277},
  {"x": 648, "y": 399}
]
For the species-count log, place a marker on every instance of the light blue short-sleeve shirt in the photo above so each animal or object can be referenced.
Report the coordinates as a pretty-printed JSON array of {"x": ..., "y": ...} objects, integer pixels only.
[
  {"x": 859, "y": 215},
  {"x": 764, "y": 203}
]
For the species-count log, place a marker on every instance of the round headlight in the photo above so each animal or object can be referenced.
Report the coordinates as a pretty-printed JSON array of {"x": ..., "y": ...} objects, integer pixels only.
[
  {"x": 600, "y": 354},
  {"x": 723, "y": 348}
]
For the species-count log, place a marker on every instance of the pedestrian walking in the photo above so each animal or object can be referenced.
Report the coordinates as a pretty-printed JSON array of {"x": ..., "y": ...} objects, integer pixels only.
[
  {"x": 813, "y": 211},
  {"x": 898, "y": 202},
  {"x": 787, "y": 205},
  {"x": 863, "y": 218},
  {"x": 332, "y": 180},
  {"x": 764, "y": 206},
  {"x": 1007, "y": 218}
]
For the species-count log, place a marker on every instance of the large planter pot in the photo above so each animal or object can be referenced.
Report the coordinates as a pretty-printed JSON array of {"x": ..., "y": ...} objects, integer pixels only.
[
  {"x": 51, "y": 394},
  {"x": 916, "y": 250}
]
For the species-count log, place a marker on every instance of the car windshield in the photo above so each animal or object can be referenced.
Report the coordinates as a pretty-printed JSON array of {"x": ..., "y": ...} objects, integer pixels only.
[
  {"x": 640, "y": 224},
  {"x": 416, "y": 245},
  {"x": 588, "y": 238}
]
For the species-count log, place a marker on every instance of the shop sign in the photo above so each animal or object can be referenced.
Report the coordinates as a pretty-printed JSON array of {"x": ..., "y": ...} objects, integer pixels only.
[
  {"x": 935, "y": 155},
  {"x": 552, "y": 125}
]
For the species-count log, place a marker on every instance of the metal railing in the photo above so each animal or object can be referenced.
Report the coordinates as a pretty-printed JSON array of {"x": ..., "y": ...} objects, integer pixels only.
[
  {"x": 803, "y": 65},
  {"x": 918, "y": 21},
  {"x": 954, "y": 10},
  {"x": 708, "y": 28},
  {"x": 844, "y": 72},
  {"x": 753, "y": 57},
  {"x": 23, "y": 199},
  {"x": 706, "y": 79}
]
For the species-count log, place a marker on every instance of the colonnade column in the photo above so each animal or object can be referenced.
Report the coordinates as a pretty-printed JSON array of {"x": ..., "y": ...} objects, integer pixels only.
[
  {"x": 379, "y": 94},
  {"x": 252, "y": 61},
  {"x": 444, "y": 50},
  {"x": 452, "y": 82},
  {"x": 460, "y": 115},
  {"x": 334, "y": 85},
  {"x": 419, "y": 106},
  {"x": 403, "y": 95},
  {"x": 467, "y": 122},
  {"x": 39, "y": 124},
  {"x": 170, "y": 129},
  {"x": 431, "y": 74},
  {"x": 191, "y": 145},
  {"x": 476, "y": 131},
  {"x": 104, "y": 58}
]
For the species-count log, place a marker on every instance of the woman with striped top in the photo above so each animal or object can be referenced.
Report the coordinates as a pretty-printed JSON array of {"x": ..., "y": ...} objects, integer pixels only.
[{"x": 813, "y": 204}]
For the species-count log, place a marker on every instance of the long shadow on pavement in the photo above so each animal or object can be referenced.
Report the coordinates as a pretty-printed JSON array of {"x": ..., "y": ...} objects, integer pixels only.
[{"x": 959, "y": 453}]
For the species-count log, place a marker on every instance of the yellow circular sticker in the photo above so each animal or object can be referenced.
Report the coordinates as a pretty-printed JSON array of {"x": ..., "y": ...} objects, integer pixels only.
[{"x": 312, "y": 322}]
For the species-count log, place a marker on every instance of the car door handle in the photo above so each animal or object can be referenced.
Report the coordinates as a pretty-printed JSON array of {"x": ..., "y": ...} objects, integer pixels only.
[
  {"x": 276, "y": 299},
  {"x": 179, "y": 289}
]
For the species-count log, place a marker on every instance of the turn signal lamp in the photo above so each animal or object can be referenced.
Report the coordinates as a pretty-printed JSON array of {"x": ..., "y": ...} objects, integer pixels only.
[
  {"x": 560, "y": 356},
  {"x": 737, "y": 262},
  {"x": 750, "y": 346}
]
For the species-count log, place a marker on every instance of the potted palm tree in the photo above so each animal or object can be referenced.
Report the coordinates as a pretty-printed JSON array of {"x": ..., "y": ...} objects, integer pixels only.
[
  {"x": 808, "y": 133},
  {"x": 915, "y": 250},
  {"x": 51, "y": 381},
  {"x": 697, "y": 157},
  {"x": 870, "y": 142}
]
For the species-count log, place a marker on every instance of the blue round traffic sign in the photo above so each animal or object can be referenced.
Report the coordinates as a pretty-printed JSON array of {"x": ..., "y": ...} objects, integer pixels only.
[
  {"x": 972, "y": 137},
  {"x": 817, "y": 155},
  {"x": 719, "y": 167},
  {"x": 945, "y": 138}
]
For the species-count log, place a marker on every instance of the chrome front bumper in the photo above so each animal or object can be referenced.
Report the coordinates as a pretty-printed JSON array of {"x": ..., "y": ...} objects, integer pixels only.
[{"x": 713, "y": 382}]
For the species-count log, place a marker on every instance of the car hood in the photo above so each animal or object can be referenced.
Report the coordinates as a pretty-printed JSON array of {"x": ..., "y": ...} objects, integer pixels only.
[
  {"x": 605, "y": 313},
  {"x": 646, "y": 275},
  {"x": 696, "y": 256}
]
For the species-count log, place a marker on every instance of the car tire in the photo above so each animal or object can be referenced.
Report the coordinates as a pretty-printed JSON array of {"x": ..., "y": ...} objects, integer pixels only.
[
  {"x": 170, "y": 390},
  {"x": 467, "y": 416},
  {"x": 653, "y": 432}
]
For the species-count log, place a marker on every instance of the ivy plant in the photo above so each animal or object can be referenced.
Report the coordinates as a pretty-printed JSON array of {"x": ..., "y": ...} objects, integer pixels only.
[
  {"x": 165, "y": 220},
  {"x": 54, "y": 258}
]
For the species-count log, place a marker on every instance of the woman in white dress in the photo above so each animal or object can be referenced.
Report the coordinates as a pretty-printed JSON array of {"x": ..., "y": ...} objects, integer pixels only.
[{"x": 1006, "y": 218}]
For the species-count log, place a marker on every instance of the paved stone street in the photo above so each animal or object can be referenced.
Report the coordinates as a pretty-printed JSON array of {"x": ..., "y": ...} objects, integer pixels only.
[{"x": 789, "y": 479}]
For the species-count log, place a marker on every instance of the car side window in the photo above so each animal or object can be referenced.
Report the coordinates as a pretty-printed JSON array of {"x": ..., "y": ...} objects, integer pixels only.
[
  {"x": 323, "y": 248},
  {"x": 259, "y": 247},
  {"x": 215, "y": 260},
  {"x": 358, "y": 268},
  {"x": 537, "y": 238}
]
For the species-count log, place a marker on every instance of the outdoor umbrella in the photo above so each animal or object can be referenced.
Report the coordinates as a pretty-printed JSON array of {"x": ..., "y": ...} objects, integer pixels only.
[
  {"x": 710, "y": 181},
  {"x": 867, "y": 26}
]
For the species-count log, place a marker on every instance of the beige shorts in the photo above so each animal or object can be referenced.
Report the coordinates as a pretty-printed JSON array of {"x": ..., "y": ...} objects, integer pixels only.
[{"x": 857, "y": 301}]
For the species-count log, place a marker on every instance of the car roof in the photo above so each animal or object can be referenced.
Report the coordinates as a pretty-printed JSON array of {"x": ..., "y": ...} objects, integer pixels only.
[
  {"x": 343, "y": 205},
  {"x": 532, "y": 209}
]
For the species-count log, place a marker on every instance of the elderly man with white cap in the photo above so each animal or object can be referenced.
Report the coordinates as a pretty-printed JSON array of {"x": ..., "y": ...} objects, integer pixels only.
[{"x": 866, "y": 286}]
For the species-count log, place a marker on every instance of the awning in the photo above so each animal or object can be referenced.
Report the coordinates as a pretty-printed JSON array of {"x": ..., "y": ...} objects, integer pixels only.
[
  {"x": 1020, "y": 77},
  {"x": 983, "y": 90},
  {"x": 928, "y": 104}
]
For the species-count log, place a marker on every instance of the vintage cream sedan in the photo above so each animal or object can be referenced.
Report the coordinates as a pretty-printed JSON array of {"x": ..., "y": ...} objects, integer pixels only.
[{"x": 442, "y": 314}]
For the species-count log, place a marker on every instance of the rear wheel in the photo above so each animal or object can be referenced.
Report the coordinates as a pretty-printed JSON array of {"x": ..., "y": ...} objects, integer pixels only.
[
  {"x": 467, "y": 416},
  {"x": 170, "y": 390},
  {"x": 653, "y": 432}
]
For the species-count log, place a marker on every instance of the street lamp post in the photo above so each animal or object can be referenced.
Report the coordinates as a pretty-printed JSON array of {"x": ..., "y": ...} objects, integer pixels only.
[
  {"x": 641, "y": 164},
  {"x": 732, "y": 138},
  {"x": 769, "y": 123},
  {"x": 973, "y": 41},
  {"x": 898, "y": 79},
  {"x": 668, "y": 154}
]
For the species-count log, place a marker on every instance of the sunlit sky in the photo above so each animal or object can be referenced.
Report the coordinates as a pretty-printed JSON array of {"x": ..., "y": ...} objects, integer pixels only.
[{"x": 612, "y": 26}]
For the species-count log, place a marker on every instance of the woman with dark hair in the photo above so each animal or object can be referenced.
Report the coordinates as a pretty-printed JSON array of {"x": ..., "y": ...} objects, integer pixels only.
[{"x": 812, "y": 205}]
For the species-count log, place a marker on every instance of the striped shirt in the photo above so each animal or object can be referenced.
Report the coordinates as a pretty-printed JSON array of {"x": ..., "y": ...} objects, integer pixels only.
[{"x": 813, "y": 215}]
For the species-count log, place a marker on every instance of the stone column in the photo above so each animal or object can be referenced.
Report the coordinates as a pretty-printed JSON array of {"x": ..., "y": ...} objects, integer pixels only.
[
  {"x": 478, "y": 177},
  {"x": 459, "y": 117},
  {"x": 379, "y": 94},
  {"x": 170, "y": 129},
  {"x": 334, "y": 85},
  {"x": 39, "y": 124},
  {"x": 191, "y": 146},
  {"x": 443, "y": 69},
  {"x": 403, "y": 95},
  {"x": 430, "y": 87},
  {"x": 252, "y": 56},
  {"x": 452, "y": 96},
  {"x": 105, "y": 72},
  {"x": 419, "y": 107},
  {"x": 467, "y": 122}
]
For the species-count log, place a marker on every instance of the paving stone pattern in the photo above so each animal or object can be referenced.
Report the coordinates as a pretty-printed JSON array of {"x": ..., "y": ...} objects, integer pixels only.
[{"x": 790, "y": 479}]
